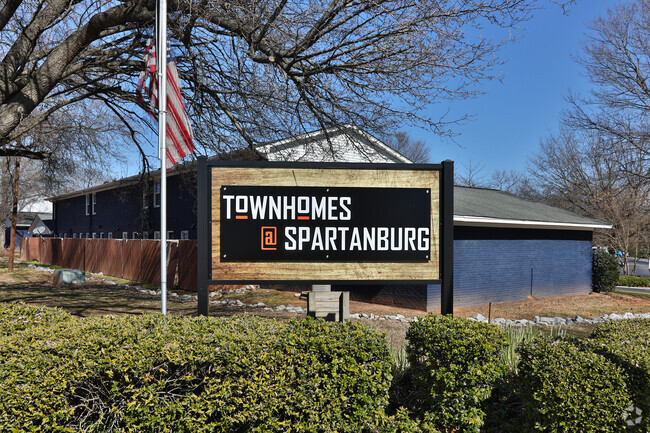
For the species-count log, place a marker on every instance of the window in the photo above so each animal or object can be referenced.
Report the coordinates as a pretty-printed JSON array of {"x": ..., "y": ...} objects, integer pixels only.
[
  {"x": 125, "y": 235},
  {"x": 91, "y": 201},
  {"x": 170, "y": 234},
  {"x": 156, "y": 235},
  {"x": 94, "y": 235},
  {"x": 145, "y": 235},
  {"x": 74, "y": 235},
  {"x": 185, "y": 234},
  {"x": 110, "y": 235},
  {"x": 156, "y": 194},
  {"x": 101, "y": 235},
  {"x": 87, "y": 235},
  {"x": 65, "y": 235},
  {"x": 134, "y": 235}
]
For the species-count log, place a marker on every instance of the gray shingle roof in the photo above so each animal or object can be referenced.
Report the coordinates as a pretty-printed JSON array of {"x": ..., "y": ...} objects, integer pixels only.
[
  {"x": 25, "y": 219},
  {"x": 480, "y": 205}
]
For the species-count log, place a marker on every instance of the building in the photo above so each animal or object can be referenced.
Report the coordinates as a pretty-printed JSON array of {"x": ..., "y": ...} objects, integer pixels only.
[
  {"x": 26, "y": 223},
  {"x": 505, "y": 248}
]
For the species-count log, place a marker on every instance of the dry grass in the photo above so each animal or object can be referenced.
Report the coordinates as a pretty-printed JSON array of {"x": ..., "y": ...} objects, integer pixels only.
[
  {"x": 98, "y": 297},
  {"x": 587, "y": 306}
]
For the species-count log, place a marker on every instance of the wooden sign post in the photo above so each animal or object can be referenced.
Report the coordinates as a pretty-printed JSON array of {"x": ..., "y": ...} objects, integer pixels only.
[{"x": 262, "y": 222}]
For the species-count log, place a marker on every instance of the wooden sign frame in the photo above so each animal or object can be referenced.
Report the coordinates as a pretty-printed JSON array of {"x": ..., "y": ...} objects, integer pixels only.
[{"x": 212, "y": 175}]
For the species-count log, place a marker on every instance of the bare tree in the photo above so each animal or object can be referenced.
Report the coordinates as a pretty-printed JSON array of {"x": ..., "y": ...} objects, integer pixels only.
[
  {"x": 255, "y": 70},
  {"x": 415, "y": 150},
  {"x": 506, "y": 181},
  {"x": 85, "y": 144},
  {"x": 593, "y": 175},
  {"x": 517, "y": 183},
  {"x": 471, "y": 175},
  {"x": 616, "y": 59}
]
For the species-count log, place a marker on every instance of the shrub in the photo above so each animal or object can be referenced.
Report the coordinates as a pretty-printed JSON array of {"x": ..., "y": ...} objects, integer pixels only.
[
  {"x": 567, "y": 388},
  {"x": 633, "y": 281},
  {"x": 453, "y": 365},
  {"x": 20, "y": 316},
  {"x": 605, "y": 271},
  {"x": 626, "y": 343},
  {"x": 400, "y": 422},
  {"x": 163, "y": 373}
]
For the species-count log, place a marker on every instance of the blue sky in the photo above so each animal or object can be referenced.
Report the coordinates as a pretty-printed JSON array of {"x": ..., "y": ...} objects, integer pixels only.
[{"x": 526, "y": 105}]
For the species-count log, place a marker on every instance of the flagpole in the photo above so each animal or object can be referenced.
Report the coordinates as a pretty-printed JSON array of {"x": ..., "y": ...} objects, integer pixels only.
[{"x": 162, "y": 144}]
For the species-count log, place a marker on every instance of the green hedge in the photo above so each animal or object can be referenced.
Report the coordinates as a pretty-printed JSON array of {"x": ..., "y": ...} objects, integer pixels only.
[
  {"x": 605, "y": 271},
  {"x": 565, "y": 387},
  {"x": 163, "y": 373},
  {"x": 633, "y": 281},
  {"x": 453, "y": 366},
  {"x": 626, "y": 343},
  {"x": 19, "y": 317}
]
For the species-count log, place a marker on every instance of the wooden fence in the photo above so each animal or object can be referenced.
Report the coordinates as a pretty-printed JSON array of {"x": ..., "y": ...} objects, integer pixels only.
[{"x": 131, "y": 259}]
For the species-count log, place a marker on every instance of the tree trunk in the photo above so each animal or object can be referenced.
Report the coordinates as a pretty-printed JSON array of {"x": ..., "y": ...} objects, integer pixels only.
[{"x": 14, "y": 216}]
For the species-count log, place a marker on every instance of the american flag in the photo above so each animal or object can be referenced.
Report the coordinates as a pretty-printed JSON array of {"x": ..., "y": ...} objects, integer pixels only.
[{"x": 179, "y": 130}]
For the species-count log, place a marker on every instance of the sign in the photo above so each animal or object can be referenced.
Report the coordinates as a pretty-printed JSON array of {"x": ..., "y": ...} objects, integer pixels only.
[
  {"x": 261, "y": 222},
  {"x": 332, "y": 224},
  {"x": 310, "y": 223}
]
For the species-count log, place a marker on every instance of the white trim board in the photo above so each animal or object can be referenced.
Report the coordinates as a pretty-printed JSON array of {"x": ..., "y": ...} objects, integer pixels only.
[{"x": 474, "y": 221}]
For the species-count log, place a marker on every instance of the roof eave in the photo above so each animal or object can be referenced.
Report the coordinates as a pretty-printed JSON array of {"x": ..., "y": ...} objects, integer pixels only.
[{"x": 464, "y": 220}]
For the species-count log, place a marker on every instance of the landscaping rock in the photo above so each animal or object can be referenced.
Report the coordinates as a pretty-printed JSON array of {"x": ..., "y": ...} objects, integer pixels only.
[
  {"x": 480, "y": 318},
  {"x": 559, "y": 321}
]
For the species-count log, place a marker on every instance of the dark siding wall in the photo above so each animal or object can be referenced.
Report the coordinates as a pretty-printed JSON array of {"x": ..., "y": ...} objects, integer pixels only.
[
  {"x": 500, "y": 265},
  {"x": 70, "y": 216},
  {"x": 116, "y": 210},
  {"x": 181, "y": 206},
  {"x": 120, "y": 210}
]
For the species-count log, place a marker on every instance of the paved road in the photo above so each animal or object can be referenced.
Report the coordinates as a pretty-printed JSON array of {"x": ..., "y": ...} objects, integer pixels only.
[
  {"x": 641, "y": 267},
  {"x": 645, "y": 290}
]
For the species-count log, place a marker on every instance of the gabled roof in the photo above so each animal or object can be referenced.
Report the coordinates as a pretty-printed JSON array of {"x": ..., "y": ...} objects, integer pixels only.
[
  {"x": 347, "y": 143},
  {"x": 25, "y": 219},
  {"x": 42, "y": 224},
  {"x": 490, "y": 207},
  {"x": 366, "y": 149}
]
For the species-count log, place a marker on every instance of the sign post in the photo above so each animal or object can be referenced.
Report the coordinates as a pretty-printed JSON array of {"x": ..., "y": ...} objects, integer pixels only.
[{"x": 321, "y": 224}]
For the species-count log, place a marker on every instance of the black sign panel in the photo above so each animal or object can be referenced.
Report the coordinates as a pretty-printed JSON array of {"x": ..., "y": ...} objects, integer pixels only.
[{"x": 297, "y": 224}]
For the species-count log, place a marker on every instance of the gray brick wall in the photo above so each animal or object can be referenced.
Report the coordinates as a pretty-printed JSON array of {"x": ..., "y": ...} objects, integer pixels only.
[{"x": 501, "y": 265}]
